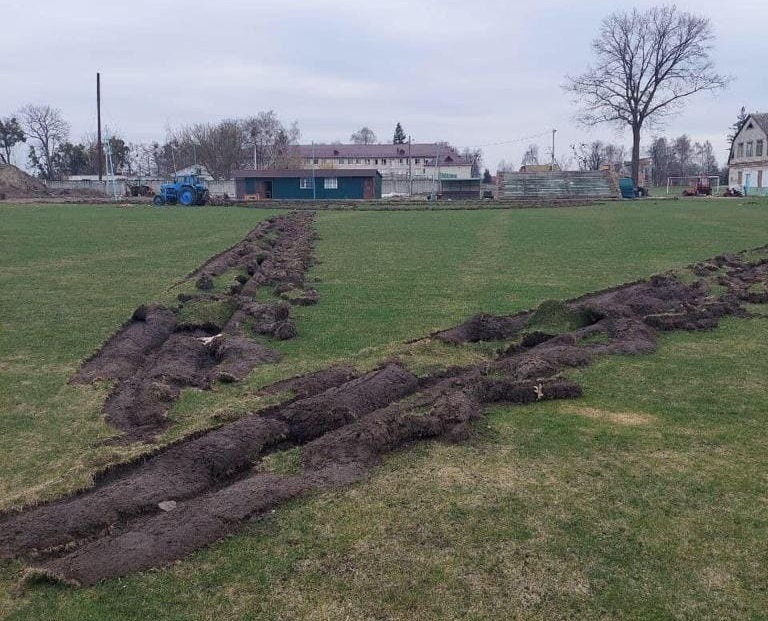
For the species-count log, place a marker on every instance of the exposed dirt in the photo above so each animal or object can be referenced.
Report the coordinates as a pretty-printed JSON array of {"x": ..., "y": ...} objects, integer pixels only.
[
  {"x": 15, "y": 183},
  {"x": 207, "y": 337},
  {"x": 158, "y": 509},
  {"x": 18, "y": 185}
]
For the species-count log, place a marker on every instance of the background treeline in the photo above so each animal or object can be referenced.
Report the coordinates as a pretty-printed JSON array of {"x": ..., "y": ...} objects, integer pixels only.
[{"x": 220, "y": 147}]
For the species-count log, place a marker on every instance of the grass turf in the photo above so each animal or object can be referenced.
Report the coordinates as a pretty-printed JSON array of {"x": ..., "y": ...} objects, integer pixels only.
[
  {"x": 69, "y": 276},
  {"x": 637, "y": 501}
]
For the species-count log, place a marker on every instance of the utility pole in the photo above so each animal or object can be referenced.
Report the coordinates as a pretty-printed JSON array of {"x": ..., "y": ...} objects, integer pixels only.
[
  {"x": 410, "y": 169},
  {"x": 99, "y": 147},
  {"x": 554, "y": 131}
]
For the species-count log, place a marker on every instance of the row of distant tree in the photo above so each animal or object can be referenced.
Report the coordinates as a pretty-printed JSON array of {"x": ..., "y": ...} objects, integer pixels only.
[
  {"x": 221, "y": 147},
  {"x": 670, "y": 157}
]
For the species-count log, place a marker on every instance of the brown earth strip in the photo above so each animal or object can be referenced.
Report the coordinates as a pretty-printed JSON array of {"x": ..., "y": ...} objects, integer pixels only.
[
  {"x": 200, "y": 490},
  {"x": 160, "y": 351}
]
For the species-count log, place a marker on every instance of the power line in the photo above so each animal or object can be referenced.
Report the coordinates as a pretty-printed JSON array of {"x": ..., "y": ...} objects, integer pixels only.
[{"x": 523, "y": 139}]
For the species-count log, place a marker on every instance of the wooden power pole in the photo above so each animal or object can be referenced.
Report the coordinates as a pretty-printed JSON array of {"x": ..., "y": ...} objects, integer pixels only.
[{"x": 99, "y": 147}]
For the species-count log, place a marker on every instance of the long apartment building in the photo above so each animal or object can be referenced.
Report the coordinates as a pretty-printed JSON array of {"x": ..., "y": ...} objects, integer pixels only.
[{"x": 421, "y": 161}]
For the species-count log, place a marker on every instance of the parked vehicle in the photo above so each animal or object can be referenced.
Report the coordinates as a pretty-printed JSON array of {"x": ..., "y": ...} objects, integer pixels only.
[{"x": 185, "y": 190}]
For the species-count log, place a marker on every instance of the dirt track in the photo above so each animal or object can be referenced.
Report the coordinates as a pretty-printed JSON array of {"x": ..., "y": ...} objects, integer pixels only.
[
  {"x": 160, "y": 351},
  {"x": 159, "y": 509}
]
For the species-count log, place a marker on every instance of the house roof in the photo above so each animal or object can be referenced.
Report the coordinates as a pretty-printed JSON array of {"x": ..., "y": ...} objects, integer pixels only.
[
  {"x": 447, "y": 153},
  {"x": 287, "y": 173},
  {"x": 761, "y": 118}
]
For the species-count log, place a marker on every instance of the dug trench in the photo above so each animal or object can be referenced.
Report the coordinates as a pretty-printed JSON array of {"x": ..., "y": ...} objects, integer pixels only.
[
  {"x": 154, "y": 511},
  {"x": 209, "y": 335}
]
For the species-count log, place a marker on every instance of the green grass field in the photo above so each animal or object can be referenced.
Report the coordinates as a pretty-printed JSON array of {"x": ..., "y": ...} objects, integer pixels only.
[{"x": 646, "y": 499}]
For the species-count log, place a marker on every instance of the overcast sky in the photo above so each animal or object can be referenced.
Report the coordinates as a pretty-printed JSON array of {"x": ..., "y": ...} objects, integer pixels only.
[{"x": 472, "y": 72}]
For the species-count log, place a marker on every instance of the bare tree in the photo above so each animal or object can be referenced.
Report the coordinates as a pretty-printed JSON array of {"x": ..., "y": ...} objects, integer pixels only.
[
  {"x": 219, "y": 147},
  {"x": 270, "y": 142},
  {"x": 531, "y": 155},
  {"x": 364, "y": 136},
  {"x": 474, "y": 157},
  {"x": 646, "y": 64},
  {"x": 682, "y": 152},
  {"x": 46, "y": 127},
  {"x": 661, "y": 160},
  {"x": 704, "y": 156}
]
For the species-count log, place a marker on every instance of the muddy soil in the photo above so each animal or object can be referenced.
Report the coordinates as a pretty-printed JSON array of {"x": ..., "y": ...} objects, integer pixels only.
[
  {"x": 161, "y": 508},
  {"x": 161, "y": 351}
]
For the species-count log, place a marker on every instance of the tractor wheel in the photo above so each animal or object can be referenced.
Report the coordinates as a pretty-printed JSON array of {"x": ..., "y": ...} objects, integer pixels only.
[
  {"x": 158, "y": 200},
  {"x": 187, "y": 196}
]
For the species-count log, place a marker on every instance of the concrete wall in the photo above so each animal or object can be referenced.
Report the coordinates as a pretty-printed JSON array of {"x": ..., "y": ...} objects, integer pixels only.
[{"x": 216, "y": 188}]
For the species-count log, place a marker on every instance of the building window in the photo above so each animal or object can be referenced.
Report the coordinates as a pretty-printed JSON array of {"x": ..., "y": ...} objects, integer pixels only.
[
  {"x": 306, "y": 183},
  {"x": 759, "y": 148},
  {"x": 401, "y": 160},
  {"x": 740, "y": 150},
  {"x": 741, "y": 178},
  {"x": 376, "y": 162},
  {"x": 331, "y": 183},
  {"x": 383, "y": 161},
  {"x": 749, "y": 148},
  {"x": 367, "y": 161},
  {"x": 315, "y": 161},
  {"x": 416, "y": 160},
  {"x": 357, "y": 161}
]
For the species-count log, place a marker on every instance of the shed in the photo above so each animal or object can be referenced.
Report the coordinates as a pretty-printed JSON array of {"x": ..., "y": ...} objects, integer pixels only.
[
  {"x": 458, "y": 189},
  {"x": 301, "y": 183}
]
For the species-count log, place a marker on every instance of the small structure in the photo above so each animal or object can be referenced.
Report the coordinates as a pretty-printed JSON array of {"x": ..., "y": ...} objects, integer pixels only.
[
  {"x": 461, "y": 189},
  {"x": 298, "y": 183},
  {"x": 748, "y": 160},
  {"x": 556, "y": 185}
]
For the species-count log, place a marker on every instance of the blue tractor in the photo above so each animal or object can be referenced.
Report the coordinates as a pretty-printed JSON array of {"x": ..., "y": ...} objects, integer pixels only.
[{"x": 185, "y": 190}]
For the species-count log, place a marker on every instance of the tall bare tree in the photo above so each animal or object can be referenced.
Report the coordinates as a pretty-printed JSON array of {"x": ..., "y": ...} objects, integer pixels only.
[
  {"x": 662, "y": 157},
  {"x": 364, "y": 135},
  {"x": 596, "y": 154},
  {"x": 219, "y": 147},
  {"x": 531, "y": 155},
  {"x": 646, "y": 64},
  {"x": 474, "y": 157},
  {"x": 47, "y": 129},
  {"x": 271, "y": 143}
]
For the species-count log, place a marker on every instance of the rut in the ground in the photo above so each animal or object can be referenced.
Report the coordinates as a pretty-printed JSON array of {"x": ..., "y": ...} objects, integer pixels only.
[
  {"x": 208, "y": 336},
  {"x": 159, "y": 509}
]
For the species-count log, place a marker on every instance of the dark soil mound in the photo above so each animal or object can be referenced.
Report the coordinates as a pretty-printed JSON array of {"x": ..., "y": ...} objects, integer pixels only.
[
  {"x": 161, "y": 351},
  {"x": 158, "y": 509}
]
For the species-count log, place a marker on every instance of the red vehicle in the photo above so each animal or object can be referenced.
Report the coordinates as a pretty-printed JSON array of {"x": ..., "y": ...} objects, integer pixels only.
[{"x": 699, "y": 187}]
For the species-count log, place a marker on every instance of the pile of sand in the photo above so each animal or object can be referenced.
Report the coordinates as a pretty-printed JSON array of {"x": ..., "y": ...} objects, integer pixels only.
[{"x": 15, "y": 183}]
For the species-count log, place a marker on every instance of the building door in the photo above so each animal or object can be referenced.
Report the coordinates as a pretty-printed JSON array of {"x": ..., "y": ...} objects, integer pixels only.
[
  {"x": 267, "y": 189},
  {"x": 759, "y": 178},
  {"x": 368, "y": 187}
]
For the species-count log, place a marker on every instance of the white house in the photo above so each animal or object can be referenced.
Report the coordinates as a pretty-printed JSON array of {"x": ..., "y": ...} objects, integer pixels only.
[
  {"x": 748, "y": 161},
  {"x": 420, "y": 161}
]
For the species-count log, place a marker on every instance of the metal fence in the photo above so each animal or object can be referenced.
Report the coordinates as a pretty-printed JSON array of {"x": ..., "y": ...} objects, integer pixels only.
[{"x": 402, "y": 186}]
